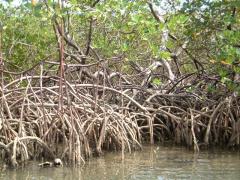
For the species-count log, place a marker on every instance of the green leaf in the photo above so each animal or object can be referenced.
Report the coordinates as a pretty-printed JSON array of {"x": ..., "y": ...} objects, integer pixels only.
[
  {"x": 157, "y": 81},
  {"x": 165, "y": 55}
]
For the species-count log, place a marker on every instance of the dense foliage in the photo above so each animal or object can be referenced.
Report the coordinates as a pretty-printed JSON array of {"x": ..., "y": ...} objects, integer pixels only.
[{"x": 127, "y": 31}]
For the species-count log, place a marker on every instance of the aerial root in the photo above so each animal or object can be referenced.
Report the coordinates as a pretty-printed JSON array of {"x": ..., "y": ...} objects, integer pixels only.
[{"x": 107, "y": 116}]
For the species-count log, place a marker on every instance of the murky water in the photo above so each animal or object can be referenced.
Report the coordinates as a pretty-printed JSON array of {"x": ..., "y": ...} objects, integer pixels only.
[{"x": 152, "y": 163}]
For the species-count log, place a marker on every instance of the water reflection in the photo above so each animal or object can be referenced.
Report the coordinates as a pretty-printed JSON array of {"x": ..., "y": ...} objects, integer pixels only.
[{"x": 152, "y": 163}]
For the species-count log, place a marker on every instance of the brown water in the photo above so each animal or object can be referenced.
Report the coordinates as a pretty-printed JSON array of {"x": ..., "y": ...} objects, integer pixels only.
[{"x": 156, "y": 162}]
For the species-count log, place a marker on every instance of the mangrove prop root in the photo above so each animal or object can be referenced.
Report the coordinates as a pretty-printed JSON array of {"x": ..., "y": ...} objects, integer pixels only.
[{"x": 107, "y": 111}]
